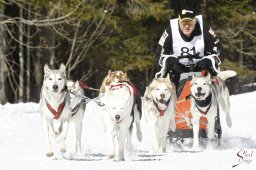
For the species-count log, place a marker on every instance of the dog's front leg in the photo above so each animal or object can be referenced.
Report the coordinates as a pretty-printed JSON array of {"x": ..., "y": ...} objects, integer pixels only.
[
  {"x": 51, "y": 128},
  {"x": 195, "y": 120},
  {"x": 128, "y": 145},
  {"x": 47, "y": 137},
  {"x": 165, "y": 131},
  {"x": 210, "y": 130},
  {"x": 153, "y": 132},
  {"x": 62, "y": 136},
  {"x": 63, "y": 133},
  {"x": 122, "y": 136},
  {"x": 78, "y": 127},
  {"x": 110, "y": 134}
]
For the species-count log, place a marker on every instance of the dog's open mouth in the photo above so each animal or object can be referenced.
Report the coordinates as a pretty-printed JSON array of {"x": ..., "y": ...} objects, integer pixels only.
[
  {"x": 200, "y": 95},
  {"x": 162, "y": 101},
  {"x": 161, "y": 104}
]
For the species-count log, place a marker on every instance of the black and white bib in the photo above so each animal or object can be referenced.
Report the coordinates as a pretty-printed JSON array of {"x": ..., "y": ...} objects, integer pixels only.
[{"x": 183, "y": 48}]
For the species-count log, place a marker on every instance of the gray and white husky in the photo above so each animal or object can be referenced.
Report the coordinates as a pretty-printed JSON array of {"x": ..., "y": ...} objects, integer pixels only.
[
  {"x": 77, "y": 106},
  {"x": 159, "y": 111},
  {"x": 55, "y": 108},
  {"x": 207, "y": 93}
]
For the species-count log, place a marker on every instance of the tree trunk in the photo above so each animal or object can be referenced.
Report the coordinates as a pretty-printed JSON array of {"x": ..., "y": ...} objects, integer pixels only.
[
  {"x": 21, "y": 59},
  {"x": 3, "y": 99}
]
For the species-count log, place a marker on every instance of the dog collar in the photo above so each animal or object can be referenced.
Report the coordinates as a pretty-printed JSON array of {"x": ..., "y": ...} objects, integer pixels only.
[{"x": 204, "y": 103}]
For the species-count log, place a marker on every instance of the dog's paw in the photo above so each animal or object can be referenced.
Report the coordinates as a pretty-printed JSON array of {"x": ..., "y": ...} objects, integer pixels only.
[
  {"x": 156, "y": 149},
  {"x": 111, "y": 156},
  {"x": 139, "y": 136},
  {"x": 120, "y": 158},
  {"x": 195, "y": 146},
  {"x": 173, "y": 126},
  {"x": 229, "y": 121},
  {"x": 63, "y": 150},
  {"x": 49, "y": 154},
  {"x": 195, "y": 149},
  {"x": 164, "y": 149}
]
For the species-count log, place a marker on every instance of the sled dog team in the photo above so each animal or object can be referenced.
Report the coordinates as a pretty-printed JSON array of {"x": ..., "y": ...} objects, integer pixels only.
[{"x": 62, "y": 103}]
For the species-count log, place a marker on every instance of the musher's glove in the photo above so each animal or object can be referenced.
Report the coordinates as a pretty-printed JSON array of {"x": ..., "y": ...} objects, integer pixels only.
[
  {"x": 166, "y": 62},
  {"x": 163, "y": 59},
  {"x": 171, "y": 62},
  {"x": 214, "y": 58},
  {"x": 210, "y": 63}
]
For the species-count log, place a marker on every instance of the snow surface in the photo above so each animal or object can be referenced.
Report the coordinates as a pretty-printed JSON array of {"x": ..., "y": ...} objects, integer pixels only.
[{"x": 22, "y": 144}]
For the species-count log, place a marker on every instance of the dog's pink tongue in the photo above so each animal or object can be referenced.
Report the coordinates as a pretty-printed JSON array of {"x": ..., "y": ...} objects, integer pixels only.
[{"x": 161, "y": 106}]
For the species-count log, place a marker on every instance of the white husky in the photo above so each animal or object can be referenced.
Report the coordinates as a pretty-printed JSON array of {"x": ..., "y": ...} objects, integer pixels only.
[
  {"x": 54, "y": 105},
  {"x": 206, "y": 94},
  {"x": 119, "y": 113},
  {"x": 55, "y": 108},
  {"x": 159, "y": 110}
]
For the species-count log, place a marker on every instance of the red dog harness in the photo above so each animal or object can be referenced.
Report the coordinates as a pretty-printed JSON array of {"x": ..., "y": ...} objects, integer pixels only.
[{"x": 54, "y": 112}]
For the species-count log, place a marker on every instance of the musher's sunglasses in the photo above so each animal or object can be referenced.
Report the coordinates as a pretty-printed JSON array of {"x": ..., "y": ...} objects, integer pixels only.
[{"x": 187, "y": 22}]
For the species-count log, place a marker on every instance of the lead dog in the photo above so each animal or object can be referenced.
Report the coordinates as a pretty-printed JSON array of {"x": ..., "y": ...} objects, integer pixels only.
[
  {"x": 206, "y": 94},
  {"x": 159, "y": 110},
  {"x": 120, "y": 111},
  {"x": 58, "y": 108},
  {"x": 54, "y": 106}
]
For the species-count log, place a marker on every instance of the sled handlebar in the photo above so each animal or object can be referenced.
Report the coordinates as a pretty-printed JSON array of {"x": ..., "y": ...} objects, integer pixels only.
[{"x": 190, "y": 58}]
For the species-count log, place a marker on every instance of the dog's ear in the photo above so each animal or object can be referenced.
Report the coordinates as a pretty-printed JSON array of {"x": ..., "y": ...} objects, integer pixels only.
[
  {"x": 168, "y": 78},
  {"x": 146, "y": 92},
  {"x": 62, "y": 67},
  {"x": 208, "y": 76},
  {"x": 77, "y": 84},
  {"x": 109, "y": 72},
  {"x": 125, "y": 76},
  {"x": 193, "y": 78},
  {"x": 46, "y": 68}
]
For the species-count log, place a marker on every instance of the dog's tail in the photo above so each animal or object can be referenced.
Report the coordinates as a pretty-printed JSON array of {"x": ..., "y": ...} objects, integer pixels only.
[{"x": 226, "y": 74}]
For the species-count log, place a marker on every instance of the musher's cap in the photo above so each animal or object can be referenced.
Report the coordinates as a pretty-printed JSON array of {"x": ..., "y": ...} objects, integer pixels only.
[{"x": 186, "y": 15}]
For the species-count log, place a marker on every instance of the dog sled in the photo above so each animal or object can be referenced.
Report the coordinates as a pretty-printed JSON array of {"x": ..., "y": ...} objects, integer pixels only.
[{"x": 183, "y": 116}]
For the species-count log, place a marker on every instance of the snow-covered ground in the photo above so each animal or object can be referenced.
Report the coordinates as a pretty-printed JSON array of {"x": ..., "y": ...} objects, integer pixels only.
[{"x": 22, "y": 145}]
